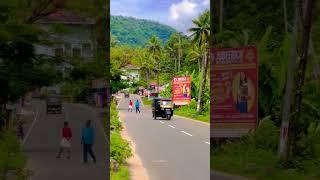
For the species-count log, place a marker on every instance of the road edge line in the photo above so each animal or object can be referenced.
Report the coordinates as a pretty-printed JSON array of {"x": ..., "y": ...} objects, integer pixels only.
[
  {"x": 30, "y": 128},
  {"x": 190, "y": 119}
]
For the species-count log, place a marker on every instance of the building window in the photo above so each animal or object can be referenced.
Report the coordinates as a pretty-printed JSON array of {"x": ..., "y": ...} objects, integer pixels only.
[
  {"x": 67, "y": 47},
  {"x": 86, "y": 49},
  {"x": 58, "y": 52},
  {"x": 76, "y": 52}
]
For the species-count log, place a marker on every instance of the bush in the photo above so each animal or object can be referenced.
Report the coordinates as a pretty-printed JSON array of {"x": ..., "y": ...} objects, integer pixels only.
[
  {"x": 114, "y": 118},
  {"x": 267, "y": 135},
  {"x": 11, "y": 157},
  {"x": 119, "y": 148}
]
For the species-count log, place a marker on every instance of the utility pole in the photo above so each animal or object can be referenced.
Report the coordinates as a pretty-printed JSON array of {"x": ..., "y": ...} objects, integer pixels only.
[
  {"x": 283, "y": 143},
  {"x": 307, "y": 18},
  {"x": 158, "y": 77}
]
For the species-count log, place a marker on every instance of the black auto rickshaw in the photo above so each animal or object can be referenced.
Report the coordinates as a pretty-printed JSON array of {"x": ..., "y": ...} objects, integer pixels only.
[
  {"x": 162, "y": 107},
  {"x": 126, "y": 94},
  {"x": 54, "y": 104}
]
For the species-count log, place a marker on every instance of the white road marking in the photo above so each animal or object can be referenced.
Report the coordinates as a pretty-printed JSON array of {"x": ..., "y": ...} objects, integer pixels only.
[
  {"x": 171, "y": 126},
  {"x": 159, "y": 161},
  {"x": 206, "y": 142},
  {"x": 119, "y": 103},
  {"x": 186, "y": 133},
  {"x": 31, "y": 127},
  {"x": 161, "y": 122}
]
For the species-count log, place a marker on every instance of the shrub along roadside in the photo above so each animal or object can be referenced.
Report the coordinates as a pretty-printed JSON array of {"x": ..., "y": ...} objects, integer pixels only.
[
  {"x": 120, "y": 150},
  {"x": 190, "y": 111},
  {"x": 12, "y": 159},
  {"x": 255, "y": 156}
]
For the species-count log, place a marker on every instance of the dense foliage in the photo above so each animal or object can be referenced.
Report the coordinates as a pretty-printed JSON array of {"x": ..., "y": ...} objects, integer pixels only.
[
  {"x": 12, "y": 159},
  {"x": 136, "y": 32},
  {"x": 262, "y": 23}
]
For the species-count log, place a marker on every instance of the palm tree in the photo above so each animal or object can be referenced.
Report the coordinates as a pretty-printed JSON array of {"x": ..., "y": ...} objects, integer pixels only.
[
  {"x": 200, "y": 35},
  {"x": 154, "y": 48},
  {"x": 146, "y": 64},
  {"x": 195, "y": 54},
  {"x": 175, "y": 45}
]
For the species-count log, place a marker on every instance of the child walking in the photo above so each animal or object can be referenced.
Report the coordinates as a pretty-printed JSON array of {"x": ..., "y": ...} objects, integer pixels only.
[{"x": 65, "y": 144}]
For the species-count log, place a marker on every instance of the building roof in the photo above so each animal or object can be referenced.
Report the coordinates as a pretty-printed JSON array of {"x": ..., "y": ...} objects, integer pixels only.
[
  {"x": 131, "y": 67},
  {"x": 64, "y": 16}
]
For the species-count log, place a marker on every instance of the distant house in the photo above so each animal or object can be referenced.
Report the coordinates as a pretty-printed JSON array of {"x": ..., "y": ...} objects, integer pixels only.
[
  {"x": 71, "y": 35},
  {"x": 131, "y": 73}
]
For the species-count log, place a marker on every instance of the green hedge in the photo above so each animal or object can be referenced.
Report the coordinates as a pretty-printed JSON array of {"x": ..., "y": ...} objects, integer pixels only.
[
  {"x": 12, "y": 159},
  {"x": 120, "y": 149}
]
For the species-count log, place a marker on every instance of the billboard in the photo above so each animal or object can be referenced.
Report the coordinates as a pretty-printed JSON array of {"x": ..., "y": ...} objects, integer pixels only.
[
  {"x": 181, "y": 90},
  {"x": 234, "y": 88}
]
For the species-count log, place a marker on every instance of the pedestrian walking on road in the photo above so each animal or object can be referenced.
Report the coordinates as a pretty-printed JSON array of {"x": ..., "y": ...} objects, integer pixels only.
[
  {"x": 87, "y": 140},
  {"x": 137, "y": 106},
  {"x": 65, "y": 144},
  {"x": 130, "y": 106}
]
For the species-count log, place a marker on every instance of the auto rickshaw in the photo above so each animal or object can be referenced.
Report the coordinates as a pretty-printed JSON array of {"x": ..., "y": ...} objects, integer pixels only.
[
  {"x": 162, "y": 107},
  {"x": 54, "y": 104}
]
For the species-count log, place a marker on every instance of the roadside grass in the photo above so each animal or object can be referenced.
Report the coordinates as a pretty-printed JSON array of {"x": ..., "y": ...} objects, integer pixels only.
[
  {"x": 12, "y": 159},
  {"x": 186, "y": 111},
  {"x": 121, "y": 174},
  {"x": 255, "y": 156},
  {"x": 193, "y": 114},
  {"x": 120, "y": 150},
  {"x": 146, "y": 102}
]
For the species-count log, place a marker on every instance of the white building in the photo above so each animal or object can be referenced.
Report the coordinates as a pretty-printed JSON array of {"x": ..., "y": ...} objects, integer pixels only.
[
  {"x": 70, "y": 36},
  {"x": 131, "y": 73}
]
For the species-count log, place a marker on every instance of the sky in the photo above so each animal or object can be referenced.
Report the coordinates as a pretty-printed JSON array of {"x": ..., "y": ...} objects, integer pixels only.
[{"x": 175, "y": 13}]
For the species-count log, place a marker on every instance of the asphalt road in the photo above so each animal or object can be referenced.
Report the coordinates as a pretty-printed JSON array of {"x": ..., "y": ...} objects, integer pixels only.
[
  {"x": 177, "y": 149},
  {"x": 43, "y": 142}
]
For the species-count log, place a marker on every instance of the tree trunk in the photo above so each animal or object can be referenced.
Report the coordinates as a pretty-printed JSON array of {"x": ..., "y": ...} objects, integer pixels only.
[
  {"x": 221, "y": 16},
  {"x": 158, "y": 76},
  {"x": 147, "y": 75},
  {"x": 179, "y": 55},
  {"x": 285, "y": 21},
  {"x": 202, "y": 82},
  {"x": 316, "y": 68},
  {"x": 175, "y": 64},
  {"x": 295, "y": 126},
  {"x": 283, "y": 143}
]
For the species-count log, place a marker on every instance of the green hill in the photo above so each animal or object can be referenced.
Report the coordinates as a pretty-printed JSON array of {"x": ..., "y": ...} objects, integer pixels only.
[{"x": 137, "y": 32}]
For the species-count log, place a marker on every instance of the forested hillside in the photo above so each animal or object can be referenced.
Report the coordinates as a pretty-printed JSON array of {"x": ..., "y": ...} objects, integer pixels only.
[{"x": 137, "y": 32}]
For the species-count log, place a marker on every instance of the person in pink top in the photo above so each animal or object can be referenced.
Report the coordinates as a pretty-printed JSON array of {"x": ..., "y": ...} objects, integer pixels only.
[
  {"x": 130, "y": 106},
  {"x": 65, "y": 142}
]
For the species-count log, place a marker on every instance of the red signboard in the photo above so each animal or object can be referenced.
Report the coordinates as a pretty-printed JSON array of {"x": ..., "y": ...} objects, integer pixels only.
[
  {"x": 181, "y": 90},
  {"x": 234, "y": 88}
]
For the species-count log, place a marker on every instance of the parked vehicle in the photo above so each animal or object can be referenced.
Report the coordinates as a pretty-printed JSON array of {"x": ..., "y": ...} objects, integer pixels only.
[{"x": 162, "y": 107}]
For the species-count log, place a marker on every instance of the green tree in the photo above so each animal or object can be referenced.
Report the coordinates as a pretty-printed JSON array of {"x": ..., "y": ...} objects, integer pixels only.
[
  {"x": 200, "y": 35},
  {"x": 154, "y": 48}
]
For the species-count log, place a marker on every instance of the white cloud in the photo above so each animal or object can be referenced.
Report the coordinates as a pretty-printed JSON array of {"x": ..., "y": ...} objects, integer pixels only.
[
  {"x": 180, "y": 14},
  {"x": 185, "y": 8}
]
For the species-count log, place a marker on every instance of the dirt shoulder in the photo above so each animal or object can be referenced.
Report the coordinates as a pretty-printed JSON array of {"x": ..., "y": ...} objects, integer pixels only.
[{"x": 137, "y": 171}]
